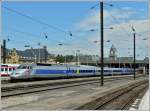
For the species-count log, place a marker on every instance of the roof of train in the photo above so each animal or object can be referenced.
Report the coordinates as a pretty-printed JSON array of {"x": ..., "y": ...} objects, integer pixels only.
[
  {"x": 63, "y": 66},
  {"x": 10, "y": 64}
]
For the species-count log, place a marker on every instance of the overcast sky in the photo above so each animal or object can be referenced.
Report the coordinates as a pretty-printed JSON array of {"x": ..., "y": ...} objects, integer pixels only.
[{"x": 59, "y": 19}]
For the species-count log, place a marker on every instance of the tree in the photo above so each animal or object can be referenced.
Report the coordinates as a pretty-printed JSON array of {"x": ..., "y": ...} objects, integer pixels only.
[
  {"x": 60, "y": 59},
  {"x": 69, "y": 58}
]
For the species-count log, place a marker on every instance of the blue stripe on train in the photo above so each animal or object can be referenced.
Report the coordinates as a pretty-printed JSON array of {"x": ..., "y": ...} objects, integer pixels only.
[{"x": 41, "y": 71}]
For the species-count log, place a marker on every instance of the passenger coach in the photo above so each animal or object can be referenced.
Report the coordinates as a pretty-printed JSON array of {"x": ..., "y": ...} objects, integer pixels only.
[{"x": 7, "y": 69}]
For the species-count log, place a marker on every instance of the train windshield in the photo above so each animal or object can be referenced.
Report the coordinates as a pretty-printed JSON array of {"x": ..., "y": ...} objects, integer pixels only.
[{"x": 24, "y": 67}]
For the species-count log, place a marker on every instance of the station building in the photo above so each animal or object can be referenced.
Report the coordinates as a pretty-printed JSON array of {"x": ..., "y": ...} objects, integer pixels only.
[
  {"x": 119, "y": 62},
  {"x": 26, "y": 56}
]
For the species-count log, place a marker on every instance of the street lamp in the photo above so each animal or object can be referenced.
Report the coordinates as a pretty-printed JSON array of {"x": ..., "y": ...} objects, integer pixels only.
[
  {"x": 77, "y": 57},
  {"x": 32, "y": 52},
  {"x": 60, "y": 44}
]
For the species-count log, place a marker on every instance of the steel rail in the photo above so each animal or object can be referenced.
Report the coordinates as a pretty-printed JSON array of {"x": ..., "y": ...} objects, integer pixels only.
[{"x": 123, "y": 100}]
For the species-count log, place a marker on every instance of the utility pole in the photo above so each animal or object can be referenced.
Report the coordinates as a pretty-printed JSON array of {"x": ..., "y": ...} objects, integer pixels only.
[
  {"x": 39, "y": 44},
  {"x": 4, "y": 51},
  {"x": 65, "y": 59},
  {"x": 76, "y": 59},
  {"x": 119, "y": 61},
  {"x": 134, "y": 50},
  {"x": 45, "y": 53},
  {"x": 87, "y": 60},
  {"x": 102, "y": 42}
]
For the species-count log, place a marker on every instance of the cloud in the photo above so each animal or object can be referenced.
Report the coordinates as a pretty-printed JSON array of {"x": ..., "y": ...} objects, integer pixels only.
[
  {"x": 93, "y": 18},
  {"x": 91, "y": 21},
  {"x": 121, "y": 36}
]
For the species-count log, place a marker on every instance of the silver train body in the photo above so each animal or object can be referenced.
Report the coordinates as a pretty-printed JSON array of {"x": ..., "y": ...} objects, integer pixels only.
[{"x": 26, "y": 71}]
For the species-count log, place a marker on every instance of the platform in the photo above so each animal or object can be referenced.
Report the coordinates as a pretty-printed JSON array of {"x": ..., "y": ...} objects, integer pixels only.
[{"x": 144, "y": 104}]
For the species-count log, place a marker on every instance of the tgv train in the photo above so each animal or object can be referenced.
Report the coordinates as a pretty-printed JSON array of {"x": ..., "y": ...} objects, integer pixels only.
[{"x": 26, "y": 71}]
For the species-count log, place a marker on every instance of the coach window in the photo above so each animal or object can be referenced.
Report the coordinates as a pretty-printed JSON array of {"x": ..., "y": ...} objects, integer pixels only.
[
  {"x": 9, "y": 69},
  {"x": 6, "y": 69},
  {"x": 2, "y": 69}
]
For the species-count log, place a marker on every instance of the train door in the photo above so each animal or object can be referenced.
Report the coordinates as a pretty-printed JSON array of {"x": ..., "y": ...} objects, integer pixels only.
[
  {"x": 97, "y": 71},
  {"x": 5, "y": 71},
  {"x": 68, "y": 71},
  {"x": 2, "y": 71},
  {"x": 28, "y": 71}
]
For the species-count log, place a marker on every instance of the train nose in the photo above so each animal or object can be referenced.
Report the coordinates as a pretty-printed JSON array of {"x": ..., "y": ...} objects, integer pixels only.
[{"x": 17, "y": 72}]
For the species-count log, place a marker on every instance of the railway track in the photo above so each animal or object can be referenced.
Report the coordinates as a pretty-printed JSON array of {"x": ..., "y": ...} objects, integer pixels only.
[
  {"x": 131, "y": 101},
  {"x": 118, "y": 99},
  {"x": 124, "y": 100},
  {"x": 15, "y": 90}
]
